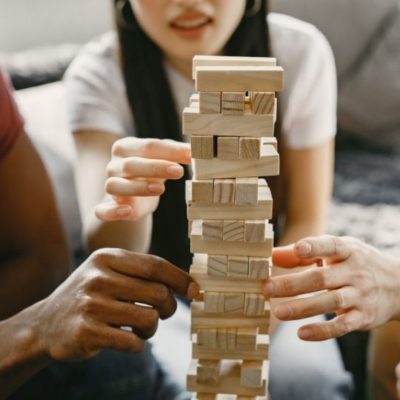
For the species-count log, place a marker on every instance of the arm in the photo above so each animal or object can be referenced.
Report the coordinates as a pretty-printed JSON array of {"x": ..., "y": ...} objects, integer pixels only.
[{"x": 34, "y": 257}]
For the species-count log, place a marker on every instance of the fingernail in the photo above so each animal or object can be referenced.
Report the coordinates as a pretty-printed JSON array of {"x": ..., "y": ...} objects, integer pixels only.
[
  {"x": 268, "y": 289},
  {"x": 305, "y": 333},
  {"x": 174, "y": 170},
  {"x": 282, "y": 312},
  {"x": 123, "y": 211},
  {"x": 303, "y": 249},
  {"x": 193, "y": 290},
  {"x": 155, "y": 187}
]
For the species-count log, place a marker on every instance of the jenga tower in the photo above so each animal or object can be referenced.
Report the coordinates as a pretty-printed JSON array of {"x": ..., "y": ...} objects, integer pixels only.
[{"x": 230, "y": 122}]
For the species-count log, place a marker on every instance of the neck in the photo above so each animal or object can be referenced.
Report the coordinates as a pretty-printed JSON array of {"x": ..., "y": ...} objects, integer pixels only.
[{"x": 182, "y": 66}]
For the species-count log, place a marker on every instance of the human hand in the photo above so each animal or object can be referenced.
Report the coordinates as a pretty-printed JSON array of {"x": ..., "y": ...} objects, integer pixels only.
[
  {"x": 136, "y": 175},
  {"x": 360, "y": 284},
  {"x": 397, "y": 372},
  {"x": 112, "y": 288}
]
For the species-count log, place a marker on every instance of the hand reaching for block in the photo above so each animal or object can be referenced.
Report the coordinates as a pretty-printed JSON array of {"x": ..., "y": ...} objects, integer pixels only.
[{"x": 136, "y": 175}]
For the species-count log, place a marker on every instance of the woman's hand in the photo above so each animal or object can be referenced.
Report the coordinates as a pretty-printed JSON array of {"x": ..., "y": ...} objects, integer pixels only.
[
  {"x": 359, "y": 283},
  {"x": 136, "y": 175},
  {"x": 113, "y": 288}
]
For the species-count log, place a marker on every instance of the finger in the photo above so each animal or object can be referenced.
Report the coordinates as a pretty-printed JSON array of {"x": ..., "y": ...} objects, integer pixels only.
[
  {"x": 327, "y": 246},
  {"x": 126, "y": 187},
  {"x": 111, "y": 211},
  {"x": 323, "y": 303},
  {"x": 311, "y": 280},
  {"x": 286, "y": 257},
  {"x": 151, "y": 268},
  {"x": 162, "y": 149},
  {"x": 347, "y": 322}
]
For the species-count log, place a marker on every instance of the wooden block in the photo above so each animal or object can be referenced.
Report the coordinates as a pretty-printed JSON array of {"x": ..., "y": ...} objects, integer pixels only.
[
  {"x": 230, "y": 338},
  {"x": 212, "y": 229},
  {"x": 239, "y": 78},
  {"x": 233, "y": 103},
  {"x": 224, "y": 191},
  {"x": 217, "y": 265},
  {"x": 254, "y": 304},
  {"x": 214, "y": 302},
  {"x": 246, "y": 338},
  {"x": 271, "y": 140},
  {"x": 246, "y": 191},
  {"x": 248, "y": 124},
  {"x": 251, "y": 374},
  {"x": 207, "y": 338},
  {"x": 206, "y": 396},
  {"x": 267, "y": 165},
  {"x": 255, "y": 231},
  {"x": 202, "y": 147},
  {"x": 259, "y": 267},
  {"x": 238, "y": 267},
  {"x": 208, "y": 371},
  {"x": 222, "y": 339},
  {"x": 262, "y": 102},
  {"x": 250, "y": 148},
  {"x": 233, "y": 231},
  {"x": 210, "y": 102},
  {"x": 228, "y": 148},
  {"x": 233, "y": 302},
  {"x": 204, "y": 61},
  {"x": 202, "y": 191}
]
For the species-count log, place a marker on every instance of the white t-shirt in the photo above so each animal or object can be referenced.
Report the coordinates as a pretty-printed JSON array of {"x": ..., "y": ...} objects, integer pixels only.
[{"x": 97, "y": 100}]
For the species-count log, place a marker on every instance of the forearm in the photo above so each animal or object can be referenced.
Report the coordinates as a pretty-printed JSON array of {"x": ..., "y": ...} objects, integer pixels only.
[{"x": 21, "y": 353}]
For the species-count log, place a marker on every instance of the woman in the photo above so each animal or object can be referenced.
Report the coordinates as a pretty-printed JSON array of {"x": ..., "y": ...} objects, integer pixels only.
[{"x": 125, "y": 91}]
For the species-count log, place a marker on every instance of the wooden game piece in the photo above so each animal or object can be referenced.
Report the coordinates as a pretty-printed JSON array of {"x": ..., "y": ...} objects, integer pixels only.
[
  {"x": 267, "y": 165},
  {"x": 202, "y": 147},
  {"x": 230, "y": 338},
  {"x": 206, "y": 396},
  {"x": 214, "y": 302},
  {"x": 246, "y": 191},
  {"x": 210, "y": 102},
  {"x": 232, "y": 103},
  {"x": 250, "y": 148},
  {"x": 259, "y": 268},
  {"x": 207, "y": 338},
  {"x": 217, "y": 265},
  {"x": 194, "y": 98},
  {"x": 255, "y": 231},
  {"x": 246, "y": 338},
  {"x": 271, "y": 140},
  {"x": 224, "y": 191},
  {"x": 251, "y": 374},
  {"x": 233, "y": 231},
  {"x": 208, "y": 371},
  {"x": 248, "y": 124},
  {"x": 262, "y": 102},
  {"x": 201, "y": 191},
  {"x": 234, "y": 302},
  {"x": 212, "y": 230},
  {"x": 222, "y": 339},
  {"x": 238, "y": 267},
  {"x": 228, "y": 148},
  {"x": 204, "y": 61},
  {"x": 239, "y": 78},
  {"x": 254, "y": 304}
]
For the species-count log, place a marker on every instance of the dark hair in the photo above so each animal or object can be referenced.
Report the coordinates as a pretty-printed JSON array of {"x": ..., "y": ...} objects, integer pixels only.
[{"x": 155, "y": 112}]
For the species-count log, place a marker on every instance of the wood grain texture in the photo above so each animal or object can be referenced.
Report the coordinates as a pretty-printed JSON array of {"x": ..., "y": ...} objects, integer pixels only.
[
  {"x": 262, "y": 102},
  {"x": 207, "y": 338},
  {"x": 208, "y": 371},
  {"x": 233, "y": 303},
  {"x": 224, "y": 191},
  {"x": 209, "y": 102},
  {"x": 259, "y": 268},
  {"x": 212, "y": 230},
  {"x": 228, "y": 148},
  {"x": 254, "y": 304},
  {"x": 217, "y": 265},
  {"x": 246, "y": 191},
  {"x": 250, "y": 148},
  {"x": 233, "y": 231},
  {"x": 255, "y": 231},
  {"x": 238, "y": 267},
  {"x": 202, "y": 147},
  {"x": 251, "y": 374},
  {"x": 201, "y": 191},
  {"x": 214, "y": 302},
  {"x": 232, "y": 103}
]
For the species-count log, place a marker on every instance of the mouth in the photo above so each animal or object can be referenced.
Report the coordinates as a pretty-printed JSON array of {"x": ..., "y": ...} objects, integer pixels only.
[{"x": 191, "y": 22}]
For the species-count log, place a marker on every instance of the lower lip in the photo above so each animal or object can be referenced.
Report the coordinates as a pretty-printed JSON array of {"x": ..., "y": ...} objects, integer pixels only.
[{"x": 193, "y": 33}]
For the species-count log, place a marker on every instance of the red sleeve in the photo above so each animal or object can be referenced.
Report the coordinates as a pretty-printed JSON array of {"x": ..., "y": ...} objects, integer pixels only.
[{"x": 11, "y": 124}]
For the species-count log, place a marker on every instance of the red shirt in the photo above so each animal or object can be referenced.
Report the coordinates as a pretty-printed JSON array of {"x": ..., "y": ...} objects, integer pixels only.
[{"x": 11, "y": 124}]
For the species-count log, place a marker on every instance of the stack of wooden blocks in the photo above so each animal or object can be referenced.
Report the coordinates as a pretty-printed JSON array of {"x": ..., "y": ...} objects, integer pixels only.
[{"x": 230, "y": 122}]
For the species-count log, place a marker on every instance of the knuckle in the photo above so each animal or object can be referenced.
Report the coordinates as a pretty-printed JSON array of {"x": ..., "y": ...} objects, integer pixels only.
[
  {"x": 149, "y": 145},
  {"x": 161, "y": 294},
  {"x": 284, "y": 285},
  {"x": 338, "y": 300},
  {"x": 319, "y": 278},
  {"x": 100, "y": 257}
]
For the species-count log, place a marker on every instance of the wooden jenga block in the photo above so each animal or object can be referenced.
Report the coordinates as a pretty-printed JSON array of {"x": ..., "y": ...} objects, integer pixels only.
[
  {"x": 210, "y": 102},
  {"x": 232, "y": 103},
  {"x": 212, "y": 229},
  {"x": 251, "y": 374},
  {"x": 222, "y": 339},
  {"x": 206, "y": 396},
  {"x": 246, "y": 191},
  {"x": 262, "y": 102},
  {"x": 208, "y": 371},
  {"x": 233, "y": 302},
  {"x": 254, "y": 304},
  {"x": 246, "y": 338},
  {"x": 233, "y": 231},
  {"x": 224, "y": 191},
  {"x": 231, "y": 338},
  {"x": 207, "y": 338},
  {"x": 255, "y": 231},
  {"x": 238, "y": 267},
  {"x": 202, "y": 191},
  {"x": 202, "y": 147},
  {"x": 259, "y": 267},
  {"x": 217, "y": 265},
  {"x": 228, "y": 148},
  {"x": 239, "y": 79},
  {"x": 250, "y": 148},
  {"x": 214, "y": 302}
]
